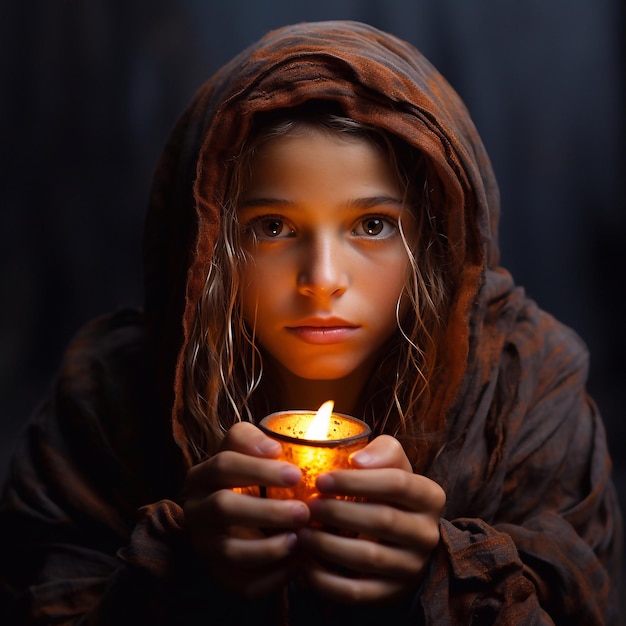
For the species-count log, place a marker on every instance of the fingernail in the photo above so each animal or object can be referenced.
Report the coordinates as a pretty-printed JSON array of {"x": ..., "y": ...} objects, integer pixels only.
[
  {"x": 291, "y": 541},
  {"x": 313, "y": 506},
  {"x": 299, "y": 513},
  {"x": 362, "y": 458},
  {"x": 325, "y": 482},
  {"x": 269, "y": 447},
  {"x": 290, "y": 474}
]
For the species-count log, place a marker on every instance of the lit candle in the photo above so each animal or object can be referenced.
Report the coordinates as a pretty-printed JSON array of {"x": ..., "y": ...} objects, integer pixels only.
[{"x": 315, "y": 442}]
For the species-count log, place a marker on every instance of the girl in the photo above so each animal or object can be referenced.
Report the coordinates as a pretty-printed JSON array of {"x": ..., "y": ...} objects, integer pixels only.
[{"x": 322, "y": 225}]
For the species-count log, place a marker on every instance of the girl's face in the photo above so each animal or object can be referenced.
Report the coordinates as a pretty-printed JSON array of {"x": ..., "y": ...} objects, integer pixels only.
[{"x": 327, "y": 263}]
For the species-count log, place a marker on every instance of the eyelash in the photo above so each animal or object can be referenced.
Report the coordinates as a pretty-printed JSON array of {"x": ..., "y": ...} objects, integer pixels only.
[
  {"x": 387, "y": 218},
  {"x": 249, "y": 227}
]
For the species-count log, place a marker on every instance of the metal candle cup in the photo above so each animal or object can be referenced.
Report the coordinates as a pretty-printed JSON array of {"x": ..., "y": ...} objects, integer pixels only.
[{"x": 346, "y": 435}]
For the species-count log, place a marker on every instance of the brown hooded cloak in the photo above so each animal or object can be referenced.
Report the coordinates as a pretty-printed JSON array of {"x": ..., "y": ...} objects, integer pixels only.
[{"x": 91, "y": 526}]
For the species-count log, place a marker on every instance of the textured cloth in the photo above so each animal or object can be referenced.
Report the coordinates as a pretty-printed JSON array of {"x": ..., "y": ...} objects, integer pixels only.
[{"x": 91, "y": 525}]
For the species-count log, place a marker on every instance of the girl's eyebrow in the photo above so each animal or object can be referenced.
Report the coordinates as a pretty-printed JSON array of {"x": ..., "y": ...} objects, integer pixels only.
[
  {"x": 252, "y": 203},
  {"x": 374, "y": 201},
  {"x": 358, "y": 203}
]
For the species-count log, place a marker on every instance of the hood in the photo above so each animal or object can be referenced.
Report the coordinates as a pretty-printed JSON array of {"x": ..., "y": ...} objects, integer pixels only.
[{"x": 377, "y": 79}]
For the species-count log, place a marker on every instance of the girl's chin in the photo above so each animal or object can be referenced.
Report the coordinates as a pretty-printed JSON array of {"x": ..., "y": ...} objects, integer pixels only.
[
  {"x": 320, "y": 373},
  {"x": 334, "y": 368}
]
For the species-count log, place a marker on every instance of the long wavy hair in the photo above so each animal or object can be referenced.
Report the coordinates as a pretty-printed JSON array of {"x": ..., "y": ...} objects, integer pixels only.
[{"x": 224, "y": 365}]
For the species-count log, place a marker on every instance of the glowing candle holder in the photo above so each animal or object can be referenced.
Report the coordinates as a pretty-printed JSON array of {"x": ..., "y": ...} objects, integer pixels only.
[{"x": 345, "y": 435}]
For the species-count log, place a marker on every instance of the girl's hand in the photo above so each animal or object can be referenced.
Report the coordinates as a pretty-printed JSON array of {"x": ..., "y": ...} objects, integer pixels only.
[
  {"x": 395, "y": 529},
  {"x": 246, "y": 542}
]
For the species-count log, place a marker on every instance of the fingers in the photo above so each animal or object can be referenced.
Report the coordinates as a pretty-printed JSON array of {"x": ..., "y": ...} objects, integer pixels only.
[
  {"x": 253, "y": 567},
  {"x": 237, "y": 535},
  {"x": 230, "y": 469},
  {"x": 398, "y": 508},
  {"x": 353, "y": 571},
  {"x": 393, "y": 486},
  {"x": 386, "y": 564},
  {"x": 365, "y": 557},
  {"x": 384, "y": 451},
  {"x": 232, "y": 534},
  {"x": 246, "y": 438},
  {"x": 345, "y": 590},
  {"x": 246, "y": 459},
  {"x": 415, "y": 531},
  {"x": 225, "y": 508},
  {"x": 250, "y": 543},
  {"x": 246, "y": 542},
  {"x": 249, "y": 553},
  {"x": 386, "y": 536}
]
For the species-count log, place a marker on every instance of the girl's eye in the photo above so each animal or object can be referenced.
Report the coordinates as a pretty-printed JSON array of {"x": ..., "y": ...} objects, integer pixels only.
[
  {"x": 375, "y": 226},
  {"x": 270, "y": 228}
]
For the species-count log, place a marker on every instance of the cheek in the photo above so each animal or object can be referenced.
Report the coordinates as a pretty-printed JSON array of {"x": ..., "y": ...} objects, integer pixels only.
[
  {"x": 389, "y": 303},
  {"x": 249, "y": 293},
  {"x": 262, "y": 289},
  {"x": 387, "y": 281}
]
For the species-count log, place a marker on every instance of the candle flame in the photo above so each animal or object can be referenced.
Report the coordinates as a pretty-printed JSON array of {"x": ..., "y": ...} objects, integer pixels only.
[{"x": 320, "y": 425}]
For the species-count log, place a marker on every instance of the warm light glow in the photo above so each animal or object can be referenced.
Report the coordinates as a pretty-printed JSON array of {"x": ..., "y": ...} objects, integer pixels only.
[
  {"x": 315, "y": 442},
  {"x": 319, "y": 427}
]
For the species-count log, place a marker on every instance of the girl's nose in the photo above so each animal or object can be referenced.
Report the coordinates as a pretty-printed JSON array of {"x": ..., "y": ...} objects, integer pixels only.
[{"x": 323, "y": 272}]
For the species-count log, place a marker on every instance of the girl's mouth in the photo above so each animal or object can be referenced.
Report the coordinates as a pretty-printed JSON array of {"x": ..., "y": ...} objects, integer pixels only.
[{"x": 323, "y": 334}]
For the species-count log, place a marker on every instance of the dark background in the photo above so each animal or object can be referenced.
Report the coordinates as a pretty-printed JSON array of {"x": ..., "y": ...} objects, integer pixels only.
[{"x": 90, "y": 89}]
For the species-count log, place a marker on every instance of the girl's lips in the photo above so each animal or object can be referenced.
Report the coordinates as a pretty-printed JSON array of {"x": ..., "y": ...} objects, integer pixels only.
[{"x": 322, "y": 335}]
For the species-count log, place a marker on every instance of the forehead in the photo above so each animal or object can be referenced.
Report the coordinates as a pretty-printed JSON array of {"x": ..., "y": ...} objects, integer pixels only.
[{"x": 319, "y": 157}]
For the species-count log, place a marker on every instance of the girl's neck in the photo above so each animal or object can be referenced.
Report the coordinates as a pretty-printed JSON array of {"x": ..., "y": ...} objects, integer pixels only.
[{"x": 286, "y": 391}]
